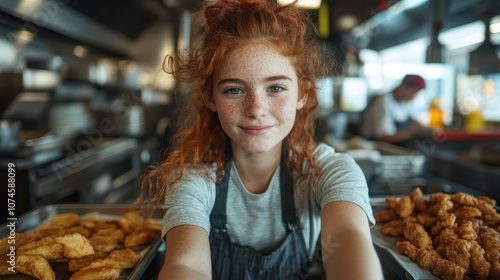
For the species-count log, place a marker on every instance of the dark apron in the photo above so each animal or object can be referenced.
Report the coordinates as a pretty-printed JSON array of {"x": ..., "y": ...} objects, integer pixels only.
[
  {"x": 232, "y": 261},
  {"x": 402, "y": 125}
]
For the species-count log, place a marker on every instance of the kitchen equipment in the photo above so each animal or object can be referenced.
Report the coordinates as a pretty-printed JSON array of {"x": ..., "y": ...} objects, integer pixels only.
[
  {"x": 9, "y": 136},
  {"x": 484, "y": 59},
  {"x": 38, "y": 215}
]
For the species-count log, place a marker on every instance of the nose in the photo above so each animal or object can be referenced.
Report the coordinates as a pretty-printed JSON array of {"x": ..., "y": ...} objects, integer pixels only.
[{"x": 255, "y": 105}]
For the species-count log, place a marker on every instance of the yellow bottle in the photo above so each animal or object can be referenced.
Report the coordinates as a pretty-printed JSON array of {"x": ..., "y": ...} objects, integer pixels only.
[
  {"x": 474, "y": 121},
  {"x": 435, "y": 115}
]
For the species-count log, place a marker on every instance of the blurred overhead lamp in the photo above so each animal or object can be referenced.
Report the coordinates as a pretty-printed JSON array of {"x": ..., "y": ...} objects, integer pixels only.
[
  {"x": 484, "y": 60},
  {"x": 306, "y": 4}
]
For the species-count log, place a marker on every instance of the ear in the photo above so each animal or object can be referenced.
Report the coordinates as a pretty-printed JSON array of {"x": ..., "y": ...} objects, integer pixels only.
[{"x": 301, "y": 101}]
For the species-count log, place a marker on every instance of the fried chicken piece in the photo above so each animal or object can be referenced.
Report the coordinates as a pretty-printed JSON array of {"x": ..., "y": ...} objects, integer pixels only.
[
  {"x": 440, "y": 208},
  {"x": 114, "y": 233},
  {"x": 464, "y": 199},
  {"x": 35, "y": 266},
  {"x": 141, "y": 236},
  {"x": 103, "y": 243},
  {"x": 415, "y": 233},
  {"x": 467, "y": 212},
  {"x": 495, "y": 270},
  {"x": 391, "y": 203},
  {"x": 405, "y": 207},
  {"x": 490, "y": 216},
  {"x": 446, "y": 221},
  {"x": 491, "y": 243},
  {"x": 426, "y": 220},
  {"x": 430, "y": 259},
  {"x": 75, "y": 245},
  {"x": 152, "y": 224},
  {"x": 102, "y": 270},
  {"x": 79, "y": 229},
  {"x": 407, "y": 249},
  {"x": 5, "y": 266},
  {"x": 130, "y": 221},
  {"x": 79, "y": 263},
  {"x": 418, "y": 200},
  {"x": 480, "y": 266},
  {"x": 385, "y": 215},
  {"x": 466, "y": 231},
  {"x": 20, "y": 239},
  {"x": 46, "y": 247},
  {"x": 439, "y": 197},
  {"x": 51, "y": 231},
  {"x": 65, "y": 220},
  {"x": 393, "y": 228},
  {"x": 487, "y": 200},
  {"x": 126, "y": 258},
  {"x": 96, "y": 224},
  {"x": 456, "y": 251}
]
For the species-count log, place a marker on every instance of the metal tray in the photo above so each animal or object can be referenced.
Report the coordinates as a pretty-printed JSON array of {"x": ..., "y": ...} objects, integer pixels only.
[{"x": 32, "y": 219}]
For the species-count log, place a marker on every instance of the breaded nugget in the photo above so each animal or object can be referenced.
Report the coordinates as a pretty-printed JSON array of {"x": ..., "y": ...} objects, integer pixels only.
[
  {"x": 103, "y": 243},
  {"x": 405, "y": 207},
  {"x": 79, "y": 229},
  {"x": 66, "y": 220},
  {"x": 4, "y": 265},
  {"x": 440, "y": 208},
  {"x": 130, "y": 221},
  {"x": 35, "y": 266},
  {"x": 446, "y": 221},
  {"x": 466, "y": 231},
  {"x": 126, "y": 258},
  {"x": 75, "y": 245},
  {"x": 114, "y": 233},
  {"x": 141, "y": 236},
  {"x": 50, "y": 231},
  {"x": 490, "y": 215},
  {"x": 393, "y": 228},
  {"x": 20, "y": 239},
  {"x": 385, "y": 215},
  {"x": 79, "y": 263},
  {"x": 391, "y": 202},
  {"x": 480, "y": 266},
  {"x": 151, "y": 224},
  {"x": 467, "y": 212},
  {"x": 426, "y": 220},
  {"x": 464, "y": 199},
  {"x": 46, "y": 247},
  {"x": 102, "y": 270},
  {"x": 418, "y": 200},
  {"x": 96, "y": 224},
  {"x": 415, "y": 233}
]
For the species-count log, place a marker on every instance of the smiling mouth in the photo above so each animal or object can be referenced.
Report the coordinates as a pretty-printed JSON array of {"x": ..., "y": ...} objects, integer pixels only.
[{"x": 256, "y": 130}]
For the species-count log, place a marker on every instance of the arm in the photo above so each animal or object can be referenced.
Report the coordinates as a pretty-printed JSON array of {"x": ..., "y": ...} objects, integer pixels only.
[
  {"x": 415, "y": 129},
  {"x": 347, "y": 248},
  {"x": 187, "y": 254}
]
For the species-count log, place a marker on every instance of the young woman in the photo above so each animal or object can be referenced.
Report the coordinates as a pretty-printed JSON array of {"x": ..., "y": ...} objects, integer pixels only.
[{"x": 247, "y": 191}]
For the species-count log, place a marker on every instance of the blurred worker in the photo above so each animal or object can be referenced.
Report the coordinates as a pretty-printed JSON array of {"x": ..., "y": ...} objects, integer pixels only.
[{"x": 388, "y": 117}]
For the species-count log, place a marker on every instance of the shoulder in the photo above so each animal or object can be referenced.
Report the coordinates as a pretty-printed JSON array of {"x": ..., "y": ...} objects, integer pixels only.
[{"x": 326, "y": 154}]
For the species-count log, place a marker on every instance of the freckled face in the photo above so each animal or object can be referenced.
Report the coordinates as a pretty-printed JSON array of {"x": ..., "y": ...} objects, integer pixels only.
[{"x": 255, "y": 94}]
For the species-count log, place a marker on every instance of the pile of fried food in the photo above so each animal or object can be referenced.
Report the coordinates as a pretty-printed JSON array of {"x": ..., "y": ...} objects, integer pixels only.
[
  {"x": 455, "y": 236},
  {"x": 93, "y": 248}
]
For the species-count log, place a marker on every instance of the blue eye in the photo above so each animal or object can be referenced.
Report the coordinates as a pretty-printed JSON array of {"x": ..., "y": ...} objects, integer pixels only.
[
  {"x": 233, "y": 91},
  {"x": 276, "y": 89}
]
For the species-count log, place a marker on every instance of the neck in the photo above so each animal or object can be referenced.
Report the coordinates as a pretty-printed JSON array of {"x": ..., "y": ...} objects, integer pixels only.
[{"x": 256, "y": 170}]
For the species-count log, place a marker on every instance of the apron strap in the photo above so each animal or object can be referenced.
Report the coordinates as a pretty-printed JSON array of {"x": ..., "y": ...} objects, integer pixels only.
[
  {"x": 218, "y": 215},
  {"x": 288, "y": 213},
  {"x": 287, "y": 198}
]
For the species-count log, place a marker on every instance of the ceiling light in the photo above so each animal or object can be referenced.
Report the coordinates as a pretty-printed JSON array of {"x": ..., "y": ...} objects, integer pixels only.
[{"x": 306, "y": 4}]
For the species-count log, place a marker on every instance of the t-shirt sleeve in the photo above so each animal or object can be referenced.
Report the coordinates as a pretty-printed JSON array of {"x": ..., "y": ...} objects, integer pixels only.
[
  {"x": 341, "y": 180},
  {"x": 190, "y": 203}
]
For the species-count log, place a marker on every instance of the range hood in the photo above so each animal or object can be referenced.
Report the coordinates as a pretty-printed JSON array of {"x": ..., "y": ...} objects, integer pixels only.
[{"x": 112, "y": 26}]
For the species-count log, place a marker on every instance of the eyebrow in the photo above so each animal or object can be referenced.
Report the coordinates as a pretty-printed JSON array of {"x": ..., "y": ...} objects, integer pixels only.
[{"x": 268, "y": 79}]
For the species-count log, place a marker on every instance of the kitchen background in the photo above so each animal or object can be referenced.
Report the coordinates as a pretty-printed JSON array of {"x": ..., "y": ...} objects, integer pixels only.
[{"x": 85, "y": 103}]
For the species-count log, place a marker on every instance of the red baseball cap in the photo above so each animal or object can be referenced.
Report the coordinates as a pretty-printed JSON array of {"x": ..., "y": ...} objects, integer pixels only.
[{"x": 415, "y": 81}]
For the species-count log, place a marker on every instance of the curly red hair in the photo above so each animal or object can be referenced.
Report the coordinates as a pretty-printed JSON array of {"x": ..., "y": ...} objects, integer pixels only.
[{"x": 200, "y": 140}]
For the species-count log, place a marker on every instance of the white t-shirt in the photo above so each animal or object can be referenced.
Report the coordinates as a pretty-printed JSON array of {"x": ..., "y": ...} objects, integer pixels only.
[
  {"x": 255, "y": 220},
  {"x": 382, "y": 113}
]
